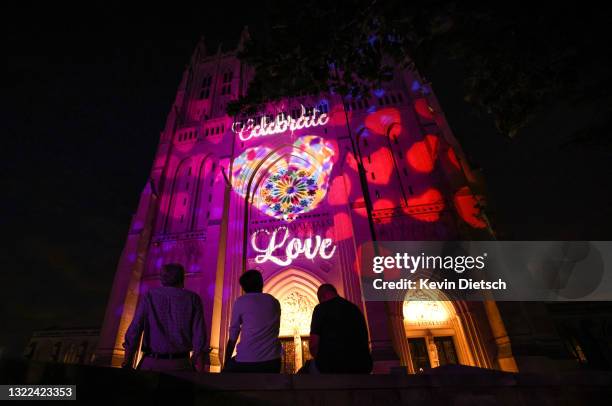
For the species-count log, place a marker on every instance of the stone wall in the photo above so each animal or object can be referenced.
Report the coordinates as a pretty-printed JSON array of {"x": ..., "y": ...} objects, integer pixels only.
[{"x": 441, "y": 386}]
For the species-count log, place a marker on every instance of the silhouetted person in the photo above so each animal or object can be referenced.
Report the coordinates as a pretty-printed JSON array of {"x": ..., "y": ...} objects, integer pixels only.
[
  {"x": 338, "y": 336},
  {"x": 172, "y": 321},
  {"x": 256, "y": 319}
]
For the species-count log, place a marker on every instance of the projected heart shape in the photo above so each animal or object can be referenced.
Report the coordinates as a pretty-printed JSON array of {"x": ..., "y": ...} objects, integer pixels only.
[{"x": 288, "y": 183}]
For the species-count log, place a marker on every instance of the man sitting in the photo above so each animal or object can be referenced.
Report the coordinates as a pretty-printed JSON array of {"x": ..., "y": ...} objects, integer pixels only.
[
  {"x": 256, "y": 318},
  {"x": 338, "y": 336}
]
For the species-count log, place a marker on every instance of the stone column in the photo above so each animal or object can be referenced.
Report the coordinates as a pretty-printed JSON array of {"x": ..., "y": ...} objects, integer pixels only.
[
  {"x": 216, "y": 329},
  {"x": 505, "y": 359},
  {"x": 383, "y": 337}
]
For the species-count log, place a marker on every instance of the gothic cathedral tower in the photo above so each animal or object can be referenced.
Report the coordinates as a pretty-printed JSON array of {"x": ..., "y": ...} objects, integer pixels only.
[{"x": 294, "y": 191}]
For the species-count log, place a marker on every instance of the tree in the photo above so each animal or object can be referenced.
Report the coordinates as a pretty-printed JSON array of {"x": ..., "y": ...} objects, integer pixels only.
[{"x": 518, "y": 62}]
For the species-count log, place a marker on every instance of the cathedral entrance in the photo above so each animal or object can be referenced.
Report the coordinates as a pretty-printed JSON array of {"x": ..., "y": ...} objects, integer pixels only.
[
  {"x": 296, "y": 313},
  {"x": 296, "y": 291},
  {"x": 295, "y": 353},
  {"x": 435, "y": 334}
]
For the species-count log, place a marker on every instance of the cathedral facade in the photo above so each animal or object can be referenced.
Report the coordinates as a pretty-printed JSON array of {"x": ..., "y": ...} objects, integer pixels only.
[{"x": 294, "y": 191}]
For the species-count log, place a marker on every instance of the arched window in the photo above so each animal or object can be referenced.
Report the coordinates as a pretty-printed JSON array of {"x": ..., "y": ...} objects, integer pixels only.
[
  {"x": 226, "y": 86},
  {"x": 205, "y": 89},
  {"x": 180, "y": 206},
  {"x": 204, "y": 194}
]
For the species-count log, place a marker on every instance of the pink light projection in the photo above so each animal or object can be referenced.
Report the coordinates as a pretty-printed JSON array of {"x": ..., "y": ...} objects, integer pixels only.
[
  {"x": 217, "y": 139},
  {"x": 293, "y": 184},
  {"x": 185, "y": 147},
  {"x": 422, "y": 155},
  {"x": 467, "y": 206},
  {"x": 296, "y": 208},
  {"x": 427, "y": 206}
]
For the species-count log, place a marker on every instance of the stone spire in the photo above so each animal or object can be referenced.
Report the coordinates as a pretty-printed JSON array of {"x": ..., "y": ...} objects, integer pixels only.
[
  {"x": 244, "y": 37},
  {"x": 199, "y": 52}
]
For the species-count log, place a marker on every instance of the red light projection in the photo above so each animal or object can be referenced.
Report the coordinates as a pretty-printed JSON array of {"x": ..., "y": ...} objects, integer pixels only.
[
  {"x": 351, "y": 161},
  {"x": 381, "y": 204},
  {"x": 365, "y": 255},
  {"x": 423, "y": 109},
  {"x": 452, "y": 157},
  {"x": 422, "y": 155},
  {"x": 380, "y": 166},
  {"x": 357, "y": 261},
  {"x": 337, "y": 117},
  {"x": 360, "y": 207},
  {"x": 467, "y": 206},
  {"x": 427, "y": 206},
  {"x": 343, "y": 227},
  {"x": 380, "y": 121},
  {"x": 339, "y": 191}
]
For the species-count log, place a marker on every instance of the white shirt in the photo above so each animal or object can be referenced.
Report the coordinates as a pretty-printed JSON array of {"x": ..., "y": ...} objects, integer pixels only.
[{"x": 256, "y": 318}]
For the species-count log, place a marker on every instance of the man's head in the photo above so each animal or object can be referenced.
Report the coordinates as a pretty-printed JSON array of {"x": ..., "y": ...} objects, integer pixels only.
[
  {"x": 326, "y": 292},
  {"x": 252, "y": 281},
  {"x": 172, "y": 275}
]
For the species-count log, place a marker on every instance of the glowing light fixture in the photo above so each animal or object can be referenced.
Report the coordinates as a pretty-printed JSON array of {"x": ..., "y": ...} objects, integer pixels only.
[
  {"x": 425, "y": 312},
  {"x": 296, "y": 313}
]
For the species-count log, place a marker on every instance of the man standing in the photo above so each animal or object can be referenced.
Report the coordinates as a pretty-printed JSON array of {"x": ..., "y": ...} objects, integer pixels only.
[
  {"x": 338, "y": 335},
  {"x": 172, "y": 321},
  {"x": 256, "y": 319}
]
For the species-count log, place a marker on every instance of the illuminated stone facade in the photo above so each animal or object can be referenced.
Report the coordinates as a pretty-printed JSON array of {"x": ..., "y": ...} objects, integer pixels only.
[{"x": 282, "y": 192}]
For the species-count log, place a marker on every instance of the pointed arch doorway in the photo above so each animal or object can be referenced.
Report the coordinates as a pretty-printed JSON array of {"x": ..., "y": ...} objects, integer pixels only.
[
  {"x": 434, "y": 332},
  {"x": 296, "y": 290}
]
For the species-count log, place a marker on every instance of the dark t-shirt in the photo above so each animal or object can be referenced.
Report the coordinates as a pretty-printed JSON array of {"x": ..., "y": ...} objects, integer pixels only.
[{"x": 343, "y": 343}]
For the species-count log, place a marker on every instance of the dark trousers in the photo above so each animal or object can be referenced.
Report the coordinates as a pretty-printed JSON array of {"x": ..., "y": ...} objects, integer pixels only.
[{"x": 271, "y": 367}]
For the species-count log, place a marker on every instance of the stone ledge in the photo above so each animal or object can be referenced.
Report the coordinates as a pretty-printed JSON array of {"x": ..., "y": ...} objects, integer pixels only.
[{"x": 441, "y": 386}]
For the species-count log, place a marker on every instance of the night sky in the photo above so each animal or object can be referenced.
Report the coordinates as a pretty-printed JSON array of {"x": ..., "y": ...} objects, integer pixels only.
[{"x": 85, "y": 97}]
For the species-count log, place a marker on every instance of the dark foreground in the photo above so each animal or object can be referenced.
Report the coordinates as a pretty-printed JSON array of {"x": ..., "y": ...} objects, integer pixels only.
[{"x": 442, "y": 386}]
